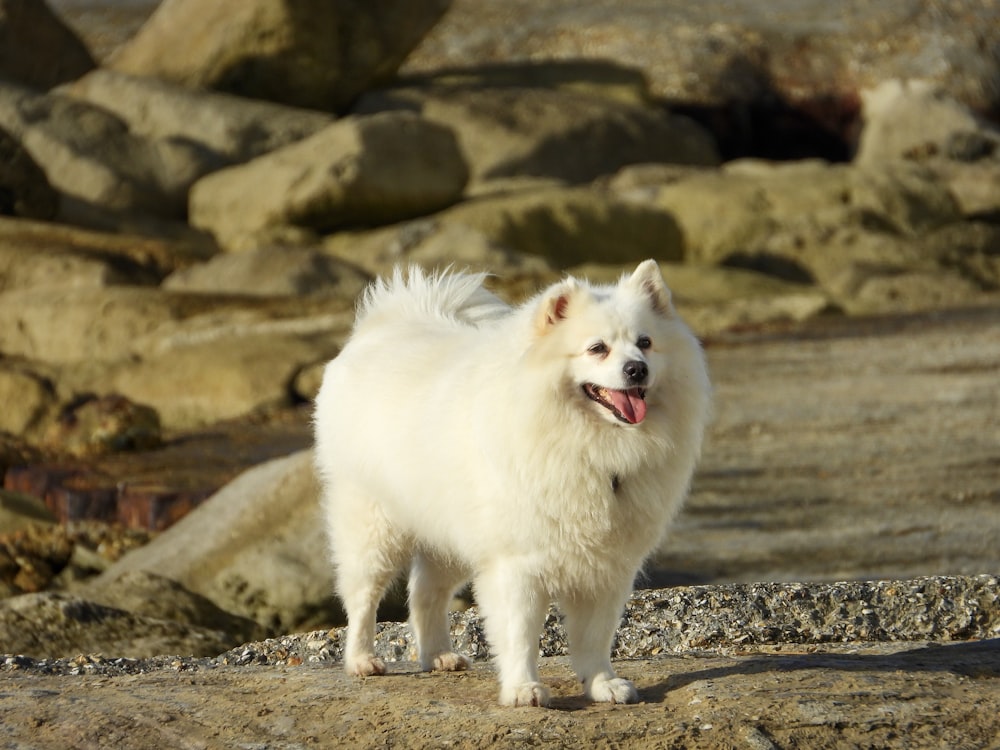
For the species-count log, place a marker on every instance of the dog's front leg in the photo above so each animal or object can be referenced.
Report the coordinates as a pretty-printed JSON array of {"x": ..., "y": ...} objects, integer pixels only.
[
  {"x": 513, "y": 606},
  {"x": 591, "y": 621}
]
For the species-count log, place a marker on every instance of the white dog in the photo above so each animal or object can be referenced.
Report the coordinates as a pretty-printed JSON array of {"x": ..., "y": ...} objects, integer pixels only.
[{"x": 540, "y": 451}]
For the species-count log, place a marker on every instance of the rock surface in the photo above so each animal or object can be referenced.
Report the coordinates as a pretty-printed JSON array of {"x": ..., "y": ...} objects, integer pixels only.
[
  {"x": 303, "y": 52},
  {"x": 762, "y": 692}
]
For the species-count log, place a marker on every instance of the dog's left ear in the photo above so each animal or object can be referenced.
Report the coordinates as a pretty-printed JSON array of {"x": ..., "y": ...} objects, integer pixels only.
[
  {"x": 554, "y": 304},
  {"x": 649, "y": 281}
]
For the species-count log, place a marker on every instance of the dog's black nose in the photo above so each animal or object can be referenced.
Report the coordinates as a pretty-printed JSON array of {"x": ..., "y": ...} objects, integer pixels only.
[{"x": 636, "y": 372}]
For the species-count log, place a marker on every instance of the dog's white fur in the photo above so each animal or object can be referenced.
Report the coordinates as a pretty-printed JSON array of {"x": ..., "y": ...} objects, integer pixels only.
[{"x": 453, "y": 434}]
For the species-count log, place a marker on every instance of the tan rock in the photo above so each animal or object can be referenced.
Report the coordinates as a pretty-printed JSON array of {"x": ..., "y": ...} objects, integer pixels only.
[
  {"x": 304, "y": 52},
  {"x": 564, "y": 134},
  {"x": 233, "y": 126},
  {"x": 360, "y": 170}
]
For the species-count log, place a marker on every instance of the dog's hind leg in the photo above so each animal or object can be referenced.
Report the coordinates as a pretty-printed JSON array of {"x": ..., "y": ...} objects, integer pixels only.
[
  {"x": 591, "y": 621},
  {"x": 367, "y": 555},
  {"x": 433, "y": 583}
]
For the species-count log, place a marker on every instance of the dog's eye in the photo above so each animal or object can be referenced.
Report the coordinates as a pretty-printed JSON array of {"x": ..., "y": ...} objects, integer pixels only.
[
  {"x": 600, "y": 349},
  {"x": 643, "y": 342}
]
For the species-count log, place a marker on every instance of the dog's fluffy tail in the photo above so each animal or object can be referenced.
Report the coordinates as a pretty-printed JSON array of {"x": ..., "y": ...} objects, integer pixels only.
[{"x": 414, "y": 292}]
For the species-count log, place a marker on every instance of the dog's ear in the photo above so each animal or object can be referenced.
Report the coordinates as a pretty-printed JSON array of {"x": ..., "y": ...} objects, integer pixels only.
[
  {"x": 649, "y": 281},
  {"x": 554, "y": 304}
]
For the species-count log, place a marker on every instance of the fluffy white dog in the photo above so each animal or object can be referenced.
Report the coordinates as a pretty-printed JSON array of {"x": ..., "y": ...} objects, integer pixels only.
[{"x": 540, "y": 451}]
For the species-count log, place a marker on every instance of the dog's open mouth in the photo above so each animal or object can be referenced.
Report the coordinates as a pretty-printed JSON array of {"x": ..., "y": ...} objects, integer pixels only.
[{"x": 628, "y": 406}]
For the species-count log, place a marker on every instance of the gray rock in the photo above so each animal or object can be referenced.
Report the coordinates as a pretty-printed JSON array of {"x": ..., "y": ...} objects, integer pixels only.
[
  {"x": 234, "y": 127},
  {"x": 302, "y": 52},
  {"x": 360, "y": 170},
  {"x": 271, "y": 271},
  {"x": 36, "y": 48},
  {"x": 563, "y": 134},
  {"x": 257, "y": 548},
  {"x": 50, "y": 624},
  {"x": 95, "y": 163},
  {"x": 561, "y": 226},
  {"x": 811, "y": 55}
]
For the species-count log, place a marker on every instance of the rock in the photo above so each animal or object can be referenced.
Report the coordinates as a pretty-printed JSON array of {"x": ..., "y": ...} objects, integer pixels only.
[
  {"x": 150, "y": 595},
  {"x": 307, "y": 53},
  {"x": 26, "y": 397},
  {"x": 92, "y": 425},
  {"x": 810, "y": 56},
  {"x": 36, "y": 48},
  {"x": 256, "y": 548},
  {"x": 18, "y": 511},
  {"x": 39, "y": 255},
  {"x": 251, "y": 368},
  {"x": 562, "y": 226},
  {"x": 360, "y": 170},
  {"x": 912, "y": 119},
  {"x": 24, "y": 188},
  {"x": 905, "y": 693},
  {"x": 55, "y": 623},
  {"x": 271, "y": 271},
  {"x": 234, "y": 127},
  {"x": 95, "y": 163},
  {"x": 562, "y": 134}
]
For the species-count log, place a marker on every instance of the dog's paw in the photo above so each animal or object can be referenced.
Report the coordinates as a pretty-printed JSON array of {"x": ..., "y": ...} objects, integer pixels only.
[
  {"x": 447, "y": 661},
  {"x": 613, "y": 690},
  {"x": 525, "y": 694},
  {"x": 365, "y": 665}
]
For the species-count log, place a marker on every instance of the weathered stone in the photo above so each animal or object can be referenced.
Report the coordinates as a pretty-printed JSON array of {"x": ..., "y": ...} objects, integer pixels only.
[
  {"x": 563, "y": 226},
  {"x": 25, "y": 396},
  {"x": 271, "y": 271},
  {"x": 51, "y": 623},
  {"x": 812, "y": 56},
  {"x": 95, "y": 163},
  {"x": 91, "y": 426},
  {"x": 303, "y": 52},
  {"x": 562, "y": 134},
  {"x": 36, "y": 254},
  {"x": 912, "y": 119},
  {"x": 24, "y": 188},
  {"x": 36, "y": 48},
  {"x": 360, "y": 170},
  {"x": 235, "y": 127},
  {"x": 255, "y": 548}
]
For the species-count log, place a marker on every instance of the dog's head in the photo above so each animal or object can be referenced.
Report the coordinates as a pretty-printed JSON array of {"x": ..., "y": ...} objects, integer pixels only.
[{"x": 615, "y": 341}]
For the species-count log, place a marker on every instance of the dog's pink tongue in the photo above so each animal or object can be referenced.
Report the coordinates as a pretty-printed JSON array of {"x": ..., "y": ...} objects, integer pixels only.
[{"x": 629, "y": 404}]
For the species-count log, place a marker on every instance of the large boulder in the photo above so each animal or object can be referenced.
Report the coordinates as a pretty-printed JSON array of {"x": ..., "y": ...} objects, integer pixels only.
[
  {"x": 813, "y": 55},
  {"x": 566, "y": 134},
  {"x": 234, "y": 127},
  {"x": 36, "y": 48},
  {"x": 93, "y": 160},
  {"x": 310, "y": 53},
  {"x": 257, "y": 548},
  {"x": 560, "y": 226},
  {"x": 357, "y": 171}
]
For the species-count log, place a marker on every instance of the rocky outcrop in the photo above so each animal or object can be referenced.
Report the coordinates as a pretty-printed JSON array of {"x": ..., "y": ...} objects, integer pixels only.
[
  {"x": 304, "y": 52},
  {"x": 36, "y": 48}
]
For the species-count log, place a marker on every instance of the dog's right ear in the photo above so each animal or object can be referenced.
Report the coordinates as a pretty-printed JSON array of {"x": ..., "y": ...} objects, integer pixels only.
[{"x": 554, "y": 305}]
